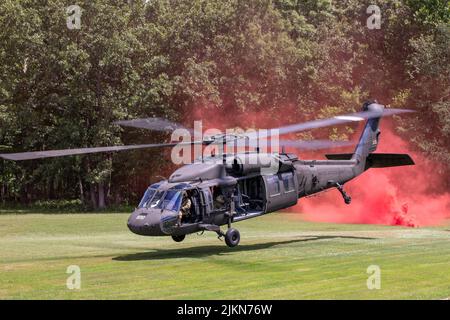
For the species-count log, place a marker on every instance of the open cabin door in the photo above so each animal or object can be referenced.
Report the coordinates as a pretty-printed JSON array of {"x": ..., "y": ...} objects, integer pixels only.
[{"x": 251, "y": 195}]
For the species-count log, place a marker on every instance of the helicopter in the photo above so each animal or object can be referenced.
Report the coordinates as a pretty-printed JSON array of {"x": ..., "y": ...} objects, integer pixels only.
[{"x": 220, "y": 190}]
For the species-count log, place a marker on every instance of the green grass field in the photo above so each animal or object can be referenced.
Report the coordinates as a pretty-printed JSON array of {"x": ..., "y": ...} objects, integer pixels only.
[{"x": 280, "y": 257}]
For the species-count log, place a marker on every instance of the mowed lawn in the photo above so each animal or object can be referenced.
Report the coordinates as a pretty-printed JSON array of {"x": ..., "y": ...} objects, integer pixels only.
[{"x": 280, "y": 257}]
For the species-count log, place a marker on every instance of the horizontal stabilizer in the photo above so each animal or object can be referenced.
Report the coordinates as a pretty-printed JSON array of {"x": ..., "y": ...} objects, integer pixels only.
[
  {"x": 339, "y": 156},
  {"x": 377, "y": 160},
  {"x": 384, "y": 160}
]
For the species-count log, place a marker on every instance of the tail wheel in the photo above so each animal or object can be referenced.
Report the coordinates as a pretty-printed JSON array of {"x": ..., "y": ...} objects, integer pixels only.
[
  {"x": 232, "y": 237},
  {"x": 178, "y": 238}
]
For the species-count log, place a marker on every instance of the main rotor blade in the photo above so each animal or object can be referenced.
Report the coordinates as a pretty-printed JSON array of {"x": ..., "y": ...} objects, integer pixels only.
[
  {"x": 70, "y": 152},
  {"x": 156, "y": 124},
  {"x": 351, "y": 117},
  {"x": 315, "y": 144},
  {"x": 299, "y": 144}
]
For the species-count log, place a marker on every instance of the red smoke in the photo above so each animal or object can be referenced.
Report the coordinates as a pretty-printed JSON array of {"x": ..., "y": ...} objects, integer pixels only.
[{"x": 408, "y": 196}]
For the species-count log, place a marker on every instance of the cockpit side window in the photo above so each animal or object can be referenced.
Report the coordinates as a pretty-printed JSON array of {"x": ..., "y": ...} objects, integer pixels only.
[
  {"x": 172, "y": 200},
  {"x": 274, "y": 185},
  {"x": 288, "y": 182}
]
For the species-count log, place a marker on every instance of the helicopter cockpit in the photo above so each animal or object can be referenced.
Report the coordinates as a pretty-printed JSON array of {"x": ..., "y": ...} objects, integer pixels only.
[
  {"x": 170, "y": 208},
  {"x": 162, "y": 209}
]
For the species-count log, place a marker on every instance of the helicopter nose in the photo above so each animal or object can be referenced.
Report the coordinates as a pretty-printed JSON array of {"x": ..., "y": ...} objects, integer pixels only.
[{"x": 145, "y": 222}]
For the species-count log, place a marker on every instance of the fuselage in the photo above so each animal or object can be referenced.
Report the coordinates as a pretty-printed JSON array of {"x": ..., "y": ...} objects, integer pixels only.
[{"x": 251, "y": 193}]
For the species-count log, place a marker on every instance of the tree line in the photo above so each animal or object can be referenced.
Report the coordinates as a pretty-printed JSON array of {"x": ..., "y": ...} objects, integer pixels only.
[{"x": 63, "y": 87}]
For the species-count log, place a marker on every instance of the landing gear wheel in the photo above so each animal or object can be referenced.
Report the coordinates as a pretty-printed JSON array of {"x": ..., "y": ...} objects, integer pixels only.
[
  {"x": 178, "y": 238},
  {"x": 347, "y": 200},
  {"x": 232, "y": 237}
]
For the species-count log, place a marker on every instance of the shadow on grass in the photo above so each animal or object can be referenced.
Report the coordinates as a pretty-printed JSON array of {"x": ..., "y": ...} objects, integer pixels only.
[{"x": 202, "y": 251}]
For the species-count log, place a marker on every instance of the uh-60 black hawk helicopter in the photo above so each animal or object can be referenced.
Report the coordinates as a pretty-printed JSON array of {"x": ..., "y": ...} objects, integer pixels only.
[{"x": 221, "y": 190}]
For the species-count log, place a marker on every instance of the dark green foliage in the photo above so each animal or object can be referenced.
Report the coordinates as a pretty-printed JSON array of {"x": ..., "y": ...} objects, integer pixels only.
[{"x": 62, "y": 88}]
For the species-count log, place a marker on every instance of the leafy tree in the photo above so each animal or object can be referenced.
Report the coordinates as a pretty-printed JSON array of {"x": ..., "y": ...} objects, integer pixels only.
[{"x": 63, "y": 88}]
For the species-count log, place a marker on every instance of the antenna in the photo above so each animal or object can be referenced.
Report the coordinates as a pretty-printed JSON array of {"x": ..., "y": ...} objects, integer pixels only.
[
  {"x": 247, "y": 144},
  {"x": 224, "y": 157},
  {"x": 257, "y": 144}
]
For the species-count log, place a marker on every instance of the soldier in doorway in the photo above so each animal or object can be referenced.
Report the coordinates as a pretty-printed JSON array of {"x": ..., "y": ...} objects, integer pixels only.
[{"x": 185, "y": 210}]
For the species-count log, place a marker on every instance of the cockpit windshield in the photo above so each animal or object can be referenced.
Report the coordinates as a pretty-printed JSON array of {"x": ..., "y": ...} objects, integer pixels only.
[
  {"x": 157, "y": 200},
  {"x": 170, "y": 200},
  {"x": 162, "y": 199},
  {"x": 148, "y": 195}
]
